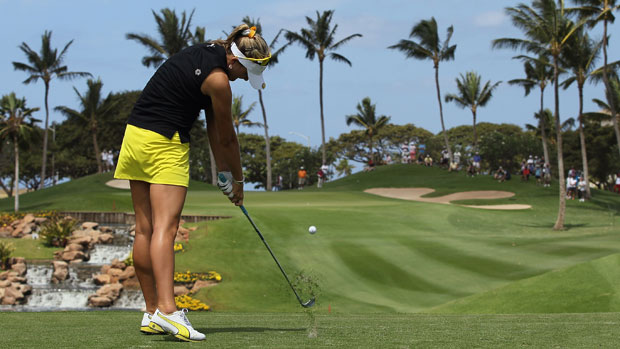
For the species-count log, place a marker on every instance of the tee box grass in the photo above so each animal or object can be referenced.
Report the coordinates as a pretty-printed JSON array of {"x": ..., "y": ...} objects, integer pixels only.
[{"x": 382, "y": 260}]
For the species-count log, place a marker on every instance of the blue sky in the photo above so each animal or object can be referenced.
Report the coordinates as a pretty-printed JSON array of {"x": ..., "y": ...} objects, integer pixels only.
[{"x": 401, "y": 88}]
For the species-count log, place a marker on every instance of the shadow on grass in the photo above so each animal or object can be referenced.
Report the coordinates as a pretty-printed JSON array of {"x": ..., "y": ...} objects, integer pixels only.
[
  {"x": 249, "y": 329},
  {"x": 550, "y": 226},
  {"x": 211, "y": 330}
]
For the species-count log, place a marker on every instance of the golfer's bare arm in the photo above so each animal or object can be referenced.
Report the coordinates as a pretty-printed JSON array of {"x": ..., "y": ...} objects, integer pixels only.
[{"x": 222, "y": 136}]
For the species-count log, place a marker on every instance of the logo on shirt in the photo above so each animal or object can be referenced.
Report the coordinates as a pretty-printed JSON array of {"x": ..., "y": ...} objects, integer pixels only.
[{"x": 198, "y": 72}]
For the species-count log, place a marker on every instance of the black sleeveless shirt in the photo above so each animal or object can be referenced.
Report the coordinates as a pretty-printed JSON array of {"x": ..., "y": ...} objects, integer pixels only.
[{"x": 171, "y": 100}]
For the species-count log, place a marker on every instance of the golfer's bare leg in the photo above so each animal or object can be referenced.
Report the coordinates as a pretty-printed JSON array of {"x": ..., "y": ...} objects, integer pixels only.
[
  {"x": 142, "y": 243},
  {"x": 166, "y": 205}
]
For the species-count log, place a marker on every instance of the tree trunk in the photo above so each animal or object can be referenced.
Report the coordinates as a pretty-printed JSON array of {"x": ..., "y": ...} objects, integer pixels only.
[
  {"x": 16, "y": 173},
  {"x": 372, "y": 153},
  {"x": 44, "y": 155},
  {"x": 96, "y": 146},
  {"x": 7, "y": 189},
  {"x": 584, "y": 154},
  {"x": 473, "y": 111},
  {"x": 323, "y": 152},
  {"x": 267, "y": 141},
  {"x": 559, "y": 223},
  {"x": 543, "y": 127},
  {"x": 609, "y": 94},
  {"x": 443, "y": 127}
]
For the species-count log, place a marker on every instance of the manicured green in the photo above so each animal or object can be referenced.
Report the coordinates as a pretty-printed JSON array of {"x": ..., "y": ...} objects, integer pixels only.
[
  {"x": 381, "y": 255},
  {"x": 284, "y": 330}
]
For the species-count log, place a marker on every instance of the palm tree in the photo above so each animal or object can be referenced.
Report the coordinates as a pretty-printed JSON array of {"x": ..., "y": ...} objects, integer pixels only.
[
  {"x": 613, "y": 94},
  {"x": 579, "y": 57},
  {"x": 471, "y": 96},
  {"x": 429, "y": 47},
  {"x": 273, "y": 61},
  {"x": 547, "y": 28},
  {"x": 539, "y": 73},
  {"x": 597, "y": 11},
  {"x": 16, "y": 125},
  {"x": 544, "y": 117},
  {"x": 175, "y": 35},
  {"x": 318, "y": 40},
  {"x": 46, "y": 65},
  {"x": 366, "y": 117},
  {"x": 344, "y": 168},
  {"x": 240, "y": 116},
  {"x": 93, "y": 108}
]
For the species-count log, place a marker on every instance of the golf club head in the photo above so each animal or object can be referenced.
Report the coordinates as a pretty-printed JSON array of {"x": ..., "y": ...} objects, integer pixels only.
[{"x": 308, "y": 304}]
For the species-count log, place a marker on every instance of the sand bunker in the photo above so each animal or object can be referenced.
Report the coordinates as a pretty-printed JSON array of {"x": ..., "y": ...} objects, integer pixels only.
[
  {"x": 416, "y": 194},
  {"x": 118, "y": 183}
]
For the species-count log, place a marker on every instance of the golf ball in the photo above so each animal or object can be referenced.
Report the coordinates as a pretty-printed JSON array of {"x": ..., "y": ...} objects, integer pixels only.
[{"x": 312, "y": 229}]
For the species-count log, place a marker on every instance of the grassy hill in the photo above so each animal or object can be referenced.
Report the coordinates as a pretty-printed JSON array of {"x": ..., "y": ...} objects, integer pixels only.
[{"x": 374, "y": 254}]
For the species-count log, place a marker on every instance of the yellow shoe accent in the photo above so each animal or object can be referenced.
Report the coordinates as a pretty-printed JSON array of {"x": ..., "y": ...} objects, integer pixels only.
[
  {"x": 186, "y": 339},
  {"x": 182, "y": 331},
  {"x": 148, "y": 330},
  {"x": 152, "y": 328}
]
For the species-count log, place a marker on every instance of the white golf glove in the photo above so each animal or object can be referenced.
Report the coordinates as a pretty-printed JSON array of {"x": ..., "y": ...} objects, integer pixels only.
[{"x": 224, "y": 182}]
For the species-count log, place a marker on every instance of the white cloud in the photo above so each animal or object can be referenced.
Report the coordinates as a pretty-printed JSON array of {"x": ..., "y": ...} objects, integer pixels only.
[{"x": 490, "y": 19}]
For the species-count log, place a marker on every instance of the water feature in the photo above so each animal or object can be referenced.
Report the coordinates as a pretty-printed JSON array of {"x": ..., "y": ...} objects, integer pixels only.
[{"x": 72, "y": 294}]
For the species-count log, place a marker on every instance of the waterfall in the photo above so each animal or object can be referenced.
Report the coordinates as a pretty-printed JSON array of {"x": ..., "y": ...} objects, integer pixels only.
[
  {"x": 72, "y": 294},
  {"x": 39, "y": 274},
  {"x": 104, "y": 254}
]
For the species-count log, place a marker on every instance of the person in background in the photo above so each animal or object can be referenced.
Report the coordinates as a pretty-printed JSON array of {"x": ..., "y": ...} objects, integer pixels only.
[
  {"x": 547, "y": 175},
  {"x": 404, "y": 152},
  {"x": 477, "y": 160},
  {"x": 500, "y": 174},
  {"x": 104, "y": 161},
  {"x": 110, "y": 159},
  {"x": 457, "y": 158},
  {"x": 581, "y": 189},
  {"x": 571, "y": 187},
  {"x": 301, "y": 178},
  {"x": 321, "y": 177},
  {"x": 538, "y": 174}
]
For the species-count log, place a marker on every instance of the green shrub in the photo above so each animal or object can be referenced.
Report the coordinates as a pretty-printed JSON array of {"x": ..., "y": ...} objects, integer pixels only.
[
  {"x": 129, "y": 260},
  {"x": 56, "y": 231},
  {"x": 6, "y": 248}
]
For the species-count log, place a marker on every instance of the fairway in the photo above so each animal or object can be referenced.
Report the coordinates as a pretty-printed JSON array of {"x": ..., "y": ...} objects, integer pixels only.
[
  {"x": 285, "y": 330},
  {"x": 376, "y": 254}
]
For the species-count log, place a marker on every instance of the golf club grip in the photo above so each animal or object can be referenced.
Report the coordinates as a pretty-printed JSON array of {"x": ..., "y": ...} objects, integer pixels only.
[{"x": 245, "y": 212}]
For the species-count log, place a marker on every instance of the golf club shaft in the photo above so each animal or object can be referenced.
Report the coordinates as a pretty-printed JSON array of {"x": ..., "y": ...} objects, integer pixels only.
[{"x": 245, "y": 212}]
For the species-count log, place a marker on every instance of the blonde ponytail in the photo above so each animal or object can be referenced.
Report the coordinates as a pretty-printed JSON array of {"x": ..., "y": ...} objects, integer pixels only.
[{"x": 249, "y": 43}]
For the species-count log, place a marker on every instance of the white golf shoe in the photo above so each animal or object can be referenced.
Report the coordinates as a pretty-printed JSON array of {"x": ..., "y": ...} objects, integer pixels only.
[
  {"x": 144, "y": 326},
  {"x": 177, "y": 325}
]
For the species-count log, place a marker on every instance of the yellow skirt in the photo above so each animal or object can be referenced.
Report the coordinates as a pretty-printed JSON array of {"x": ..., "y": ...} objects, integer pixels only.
[{"x": 150, "y": 157}]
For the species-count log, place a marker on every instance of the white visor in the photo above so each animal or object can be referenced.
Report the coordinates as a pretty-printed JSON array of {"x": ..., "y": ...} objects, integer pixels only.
[{"x": 255, "y": 68}]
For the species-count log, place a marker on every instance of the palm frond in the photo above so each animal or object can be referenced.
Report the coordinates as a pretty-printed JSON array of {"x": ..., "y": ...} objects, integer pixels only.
[
  {"x": 344, "y": 41},
  {"x": 340, "y": 58}
]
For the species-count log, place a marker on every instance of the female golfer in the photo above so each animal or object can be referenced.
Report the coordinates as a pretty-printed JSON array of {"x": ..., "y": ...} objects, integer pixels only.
[{"x": 154, "y": 157}]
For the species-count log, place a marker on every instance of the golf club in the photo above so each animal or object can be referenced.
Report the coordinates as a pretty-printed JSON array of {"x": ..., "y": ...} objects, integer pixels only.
[{"x": 307, "y": 304}]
